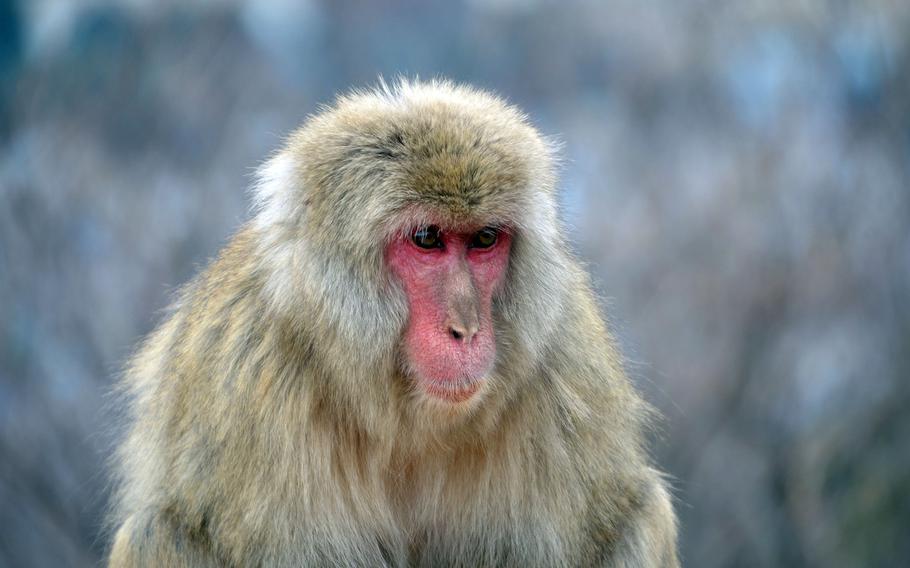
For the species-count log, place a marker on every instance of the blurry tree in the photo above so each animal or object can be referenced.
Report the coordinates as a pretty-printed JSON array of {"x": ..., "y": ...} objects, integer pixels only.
[{"x": 737, "y": 175}]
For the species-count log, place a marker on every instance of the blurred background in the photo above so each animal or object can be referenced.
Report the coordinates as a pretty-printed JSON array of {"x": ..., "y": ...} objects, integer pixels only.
[{"x": 737, "y": 177}]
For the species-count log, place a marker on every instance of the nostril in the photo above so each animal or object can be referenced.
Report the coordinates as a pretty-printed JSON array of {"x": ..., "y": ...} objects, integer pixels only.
[{"x": 456, "y": 334}]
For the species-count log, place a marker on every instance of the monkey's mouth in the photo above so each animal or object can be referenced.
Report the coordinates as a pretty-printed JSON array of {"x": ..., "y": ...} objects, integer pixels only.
[{"x": 449, "y": 371}]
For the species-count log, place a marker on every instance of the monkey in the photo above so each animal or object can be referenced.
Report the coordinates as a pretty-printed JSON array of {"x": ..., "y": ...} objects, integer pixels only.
[{"x": 396, "y": 361}]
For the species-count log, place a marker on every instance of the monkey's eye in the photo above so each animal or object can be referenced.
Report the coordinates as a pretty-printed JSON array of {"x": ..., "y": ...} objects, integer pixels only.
[
  {"x": 428, "y": 237},
  {"x": 485, "y": 238}
]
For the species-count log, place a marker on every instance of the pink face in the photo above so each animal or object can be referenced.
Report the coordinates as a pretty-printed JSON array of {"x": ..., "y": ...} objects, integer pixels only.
[{"x": 449, "y": 278}]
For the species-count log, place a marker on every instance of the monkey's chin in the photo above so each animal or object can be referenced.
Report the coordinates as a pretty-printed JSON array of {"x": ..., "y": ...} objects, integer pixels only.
[{"x": 452, "y": 392}]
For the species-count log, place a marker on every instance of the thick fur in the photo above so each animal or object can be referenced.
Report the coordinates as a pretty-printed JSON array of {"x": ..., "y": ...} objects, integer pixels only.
[{"x": 272, "y": 424}]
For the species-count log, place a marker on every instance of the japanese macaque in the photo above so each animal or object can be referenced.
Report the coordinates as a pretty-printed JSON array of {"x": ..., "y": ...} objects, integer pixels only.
[{"x": 396, "y": 362}]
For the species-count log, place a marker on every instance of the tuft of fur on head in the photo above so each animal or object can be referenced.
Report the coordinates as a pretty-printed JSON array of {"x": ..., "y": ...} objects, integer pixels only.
[{"x": 380, "y": 162}]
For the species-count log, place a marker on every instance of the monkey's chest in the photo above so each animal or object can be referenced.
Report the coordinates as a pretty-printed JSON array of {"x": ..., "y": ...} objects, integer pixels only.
[{"x": 477, "y": 518}]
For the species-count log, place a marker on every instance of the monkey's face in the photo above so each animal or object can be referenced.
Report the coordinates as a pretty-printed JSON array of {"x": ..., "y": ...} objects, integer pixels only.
[{"x": 450, "y": 277}]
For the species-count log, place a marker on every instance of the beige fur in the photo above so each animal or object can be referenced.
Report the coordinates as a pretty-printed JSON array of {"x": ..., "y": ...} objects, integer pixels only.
[{"x": 272, "y": 424}]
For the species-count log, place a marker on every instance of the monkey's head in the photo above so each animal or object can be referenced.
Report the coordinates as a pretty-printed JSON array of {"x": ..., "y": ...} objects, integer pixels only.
[{"x": 411, "y": 234}]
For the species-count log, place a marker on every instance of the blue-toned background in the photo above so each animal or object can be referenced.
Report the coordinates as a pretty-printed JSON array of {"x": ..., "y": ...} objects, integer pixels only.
[{"x": 737, "y": 176}]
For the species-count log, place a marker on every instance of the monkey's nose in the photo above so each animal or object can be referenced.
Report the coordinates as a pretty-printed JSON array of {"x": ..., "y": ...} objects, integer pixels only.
[
  {"x": 461, "y": 332},
  {"x": 462, "y": 319}
]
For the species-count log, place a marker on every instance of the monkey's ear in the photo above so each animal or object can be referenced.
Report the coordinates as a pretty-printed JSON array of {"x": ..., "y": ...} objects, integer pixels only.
[{"x": 277, "y": 194}]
